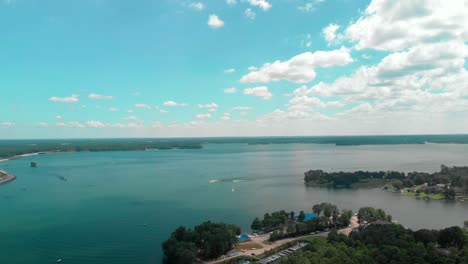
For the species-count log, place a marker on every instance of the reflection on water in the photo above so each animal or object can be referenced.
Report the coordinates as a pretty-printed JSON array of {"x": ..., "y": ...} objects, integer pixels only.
[{"x": 117, "y": 207}]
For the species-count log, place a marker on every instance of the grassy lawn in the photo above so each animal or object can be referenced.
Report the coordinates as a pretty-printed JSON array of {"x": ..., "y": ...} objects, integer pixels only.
[
  {"x": 248, "y": 246},
  {"x": 313, "y": 239},
  {"x": 432, "y": 196}
]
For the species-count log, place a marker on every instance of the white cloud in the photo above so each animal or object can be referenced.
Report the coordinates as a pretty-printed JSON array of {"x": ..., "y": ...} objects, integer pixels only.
[
  {"x": 100, "y": 97},
  {"x": 203, "y": 116},
  {"x": 196, "y": 6},
  {"x": 260, "y": 91},
  {"x": 95, "y": 124},
  {"x": 397, "y": 25},
  {"x": 249, "y": 13},
  {"x": 131, "y": 118},
  {"x": 156, "y": 125},
  {"x": 231, "y": 70},
  {"x": 42, "y": 124},
  {"x": 211, "y": 105},
  {"x": 7, "y": 124},
  {"x": 129, "y": 111},
  {"x": 215, "y": 22},
  {"x": 263, "y": 4},
  {"x": 143, "y": 106},
  {"x": 252, "y": 68},
  {"x": 163, "y": 111},
  {"x": 300, "y": 68},
  {"x": 310, "y": 6},
  {"x": 226, "y": 116},
  {"x": 330, "y": 34},
  {"x": 230, "y": 90},
  {"x": 71, "y": 99},
  {"x": 173, "y": 104},
  {"x": 305, "y": 102},
  {"x": 113, "y": 109},
  {"x": 231, "y": 2},
  {"x": 72, "y": 124},
  {"x": 366, "y": 56},
  {"x": 241, "y": 108},
  {"x": 58, "y": 117}
]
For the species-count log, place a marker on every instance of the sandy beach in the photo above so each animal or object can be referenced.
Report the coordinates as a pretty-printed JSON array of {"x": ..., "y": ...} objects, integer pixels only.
[{"x": 6, "y": 177}]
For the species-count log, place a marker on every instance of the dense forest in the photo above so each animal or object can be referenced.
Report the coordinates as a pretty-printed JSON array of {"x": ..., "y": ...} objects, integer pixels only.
[
  {"x": 384, "y": 243},
  {"x": 449, "y": 180},
  {"x": 346, "y": 179},
  {"x": 286, "y": 225},
  {"x": 10, "y": 149},
  {"x": 205, "y": 241}
]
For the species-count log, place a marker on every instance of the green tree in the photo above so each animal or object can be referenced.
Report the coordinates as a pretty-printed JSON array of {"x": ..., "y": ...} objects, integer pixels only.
[
  {"x": 398, "y": 184},
  {"x": 452, "y": 237},
  {"x": 317, "y": 209},
  {"x": 256, "y": 224},
  {"x": 301, "y": 216}
]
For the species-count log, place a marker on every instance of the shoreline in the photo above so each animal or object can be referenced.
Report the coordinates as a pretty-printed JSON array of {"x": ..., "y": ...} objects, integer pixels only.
[
  {"x": 6, "y": 177},
  {"x": 22, "y": 156}
]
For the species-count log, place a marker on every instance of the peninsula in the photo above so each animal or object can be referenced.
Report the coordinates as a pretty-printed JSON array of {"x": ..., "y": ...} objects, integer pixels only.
[
  {"x": 449, "y": 183},
  {"x": 6, "y": 177}
]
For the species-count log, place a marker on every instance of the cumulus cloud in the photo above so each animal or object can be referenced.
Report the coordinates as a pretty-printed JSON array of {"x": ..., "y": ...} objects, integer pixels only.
[
  {"x": 230, "y": 90},
  {"x": 210, "y": 105},
  {"x": 199, "y": 6},
  {"x": 300, "y": 68},
  {"x": 145, "y": 106},
  {"x": 7, "y": 124},
  {"x": 131, "y": 118},
  {"x": 249, "y": 14},
  {"x": 100, "y": 97},
  {"x": 215, "y": 22},
  {"x": 263, "y": 4},
  {"x": 330, "y": 34},
  {"x": 260, "y": 91},
  {"x": 42, "y": 124},
  {"x": 385, "y": 23},
  {"x": 203, "y": 116},
  {"x": 241, "y": 108},
  {"x": 310, "y": 6},
  {"x": 95, "y": 124},
  {"x": 71, "y": 99},
  {"x": 72, "y": 124},
  {"x": 173, "y": 104}
]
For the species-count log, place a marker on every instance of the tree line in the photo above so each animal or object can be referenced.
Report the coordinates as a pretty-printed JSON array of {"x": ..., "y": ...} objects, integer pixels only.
[
  {"x": 284, "y": 224},
  {"x": 205, "y": 241},
  {"x": 386, "y": 243}
]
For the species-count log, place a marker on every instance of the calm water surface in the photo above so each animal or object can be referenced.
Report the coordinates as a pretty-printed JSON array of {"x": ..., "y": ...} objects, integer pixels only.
[{"x": 117, "y": 207}]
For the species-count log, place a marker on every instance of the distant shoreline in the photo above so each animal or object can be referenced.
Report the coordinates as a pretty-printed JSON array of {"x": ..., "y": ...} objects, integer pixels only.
[
  {"x": 25, "y": 155},
  {"x": 6, "y": 177}
]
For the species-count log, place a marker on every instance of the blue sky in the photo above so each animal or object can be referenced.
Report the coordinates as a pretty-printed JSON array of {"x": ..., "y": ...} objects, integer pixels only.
[{"x": 102, "y": 68}]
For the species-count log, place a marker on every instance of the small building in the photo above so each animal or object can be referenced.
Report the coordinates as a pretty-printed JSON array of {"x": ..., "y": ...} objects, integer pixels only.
[
  {"x": 244, "y": 238},
  {"x": 309, "y": 216}
]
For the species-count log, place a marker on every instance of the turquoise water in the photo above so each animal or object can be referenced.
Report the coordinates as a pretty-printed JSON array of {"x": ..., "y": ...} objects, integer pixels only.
[{"x": 117, "y": 207}]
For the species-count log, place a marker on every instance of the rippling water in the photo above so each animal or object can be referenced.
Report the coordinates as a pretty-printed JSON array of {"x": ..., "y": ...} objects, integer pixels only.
[{"x": 117, "y": 207}]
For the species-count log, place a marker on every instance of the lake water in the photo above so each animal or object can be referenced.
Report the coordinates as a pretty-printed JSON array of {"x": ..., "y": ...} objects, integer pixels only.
[{"x": 117, "y": 207}]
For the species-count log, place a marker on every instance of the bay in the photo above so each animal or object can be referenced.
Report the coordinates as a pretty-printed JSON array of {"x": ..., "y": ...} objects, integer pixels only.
[{"x": 117, "y": 207}]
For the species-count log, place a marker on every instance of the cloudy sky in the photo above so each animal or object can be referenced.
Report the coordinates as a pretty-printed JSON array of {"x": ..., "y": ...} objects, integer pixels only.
[{"x": 171, "y": 68}]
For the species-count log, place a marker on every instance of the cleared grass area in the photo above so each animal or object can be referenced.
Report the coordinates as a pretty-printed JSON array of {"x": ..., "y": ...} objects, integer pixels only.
[
  {"x": 248, "y": 246},
  {"x": 432, "y": 196}
]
